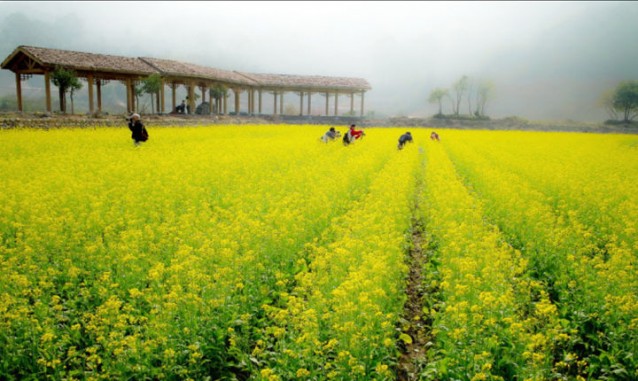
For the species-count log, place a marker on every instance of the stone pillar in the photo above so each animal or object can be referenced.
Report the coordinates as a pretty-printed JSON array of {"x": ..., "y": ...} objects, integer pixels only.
[
  {"x": 309, "y": 100},
  {"x": 226, "y": 103},
  {"x": 336, "y": 104},
  {"x": 47, "y": 89},
  {"x": 301, "y": 103},
  {"x": 259, "y": 95}
]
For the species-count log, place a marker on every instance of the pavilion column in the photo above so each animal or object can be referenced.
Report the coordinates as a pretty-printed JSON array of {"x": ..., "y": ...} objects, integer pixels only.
[
  {"x": 250, "y": 101},
  {"x": 275, "y": 104},
  {"x": 173, "y": 96},
  {"x": 191, "y": 98},
  {"x": 129, "y": 108},
  {"x": 309, "y": 100},
  {"x": 237, "y": 92},
  {"x": 161, "y": 95},
  {"x": 203, "y": 89},
  {"x": 352, "y": 104},
  {"x": 301, "y": 103},
  {"x": 281, "y": 103},
  {"x": 226, "y": 103},
  {"x": 259, "y": 95},
  {"x": 362, "y": 93},
  {"x": 336, "y": 104},
  {"x": 89, "y": 80},
  {"x": 327, "y": 100},
  {"x": 47, "y": 89},
  {"x": 19, "y": 91},
  {"x": 98, "y": 87}
]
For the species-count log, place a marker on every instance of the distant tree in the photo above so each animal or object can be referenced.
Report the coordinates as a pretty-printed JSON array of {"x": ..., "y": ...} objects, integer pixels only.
[
  {"x": 459, "y": 88},
  {"x": 75, "y": 85},
  {"x": 484, "y": 93},
  {"x": 217, "y": 93},
  {"x": 65, "y": 80},
  {"x": 606, "y": 100},
  {"x": 138, "y": 91},
  {"x": 625, "y": 100},
  {"x": 152, "y": 85},
  {"x": 470, "y": 87},
  {"x": 436, "y": 96}
]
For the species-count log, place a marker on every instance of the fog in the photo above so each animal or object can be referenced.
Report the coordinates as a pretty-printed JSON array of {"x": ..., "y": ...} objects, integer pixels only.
[{"x": 547, "y": 60}]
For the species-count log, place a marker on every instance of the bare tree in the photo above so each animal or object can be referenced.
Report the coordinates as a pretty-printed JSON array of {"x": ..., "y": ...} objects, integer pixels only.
[
  {"x": 436, "y": 96},
  {"x": 459, "y": 87},
  {"x": 484, "y": 94}
]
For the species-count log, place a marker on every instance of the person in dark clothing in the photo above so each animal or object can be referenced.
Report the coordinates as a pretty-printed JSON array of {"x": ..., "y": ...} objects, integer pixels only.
[
  {"x": 138, "y": 131},
  {"x": 405, "y": 138}
]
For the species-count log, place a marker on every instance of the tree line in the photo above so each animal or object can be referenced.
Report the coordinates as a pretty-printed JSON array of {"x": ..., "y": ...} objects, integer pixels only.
[{"x": 476, "y": 93}]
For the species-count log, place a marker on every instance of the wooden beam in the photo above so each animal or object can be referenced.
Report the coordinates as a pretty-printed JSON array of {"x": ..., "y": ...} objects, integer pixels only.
[
  {"x": 162, "y": 97},
  {"x": 275, "y": 105},
  {"x": 89, "y": 80},
  {"x": 173, "y": 96},
  {"x": 352, "y": 104},
  {"x": 98, "y": 86},
  {"x": 191, "y": 97},
  {"x": 19, "y": 91},
  {"x": 237, "y": 93},
  {"x": 327, "y": 99},
  {"x": 129, "y": 96},
  {"x": 47, "y": 90}
]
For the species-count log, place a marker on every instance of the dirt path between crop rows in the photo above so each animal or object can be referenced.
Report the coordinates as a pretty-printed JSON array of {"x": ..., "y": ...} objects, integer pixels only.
[{"x": 414, "y": 323}]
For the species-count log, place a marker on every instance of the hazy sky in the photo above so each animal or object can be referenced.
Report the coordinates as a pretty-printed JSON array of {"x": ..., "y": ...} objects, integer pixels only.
[{"x": 547, "y": 60}]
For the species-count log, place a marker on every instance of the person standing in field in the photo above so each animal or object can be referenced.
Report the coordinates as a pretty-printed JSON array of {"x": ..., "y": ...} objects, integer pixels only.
[
  {"x": 403, "y": 139},
  {"x": 138, "y": 131}
]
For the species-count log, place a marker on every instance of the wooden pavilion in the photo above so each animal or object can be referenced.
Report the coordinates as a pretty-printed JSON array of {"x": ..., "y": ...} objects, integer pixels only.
[{"x": 99, "y": 69}]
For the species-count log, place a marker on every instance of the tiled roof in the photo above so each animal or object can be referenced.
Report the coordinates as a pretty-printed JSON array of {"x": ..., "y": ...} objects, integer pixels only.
[
  {"x": 314, "y": 81},
  {"x": 87, "y": 61},
  {"x": 145, "y": 66},
  {"x": 177, "y": 68}
]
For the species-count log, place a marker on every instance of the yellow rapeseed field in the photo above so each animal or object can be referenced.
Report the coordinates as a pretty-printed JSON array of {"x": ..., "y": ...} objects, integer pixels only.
[{"x": 258, "y": 252}]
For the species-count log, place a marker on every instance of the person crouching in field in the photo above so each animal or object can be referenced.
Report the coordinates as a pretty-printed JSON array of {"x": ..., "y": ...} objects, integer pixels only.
[
  {"x": 330, "y": 135},
  {"x": 403, "y": 139},
  {"x": 434, "y": 136},
  {"x": 352, "y": 135},
  {"x": 138, "y": 131}
]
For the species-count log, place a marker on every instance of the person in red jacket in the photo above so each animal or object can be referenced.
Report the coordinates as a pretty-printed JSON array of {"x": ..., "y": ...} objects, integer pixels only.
[{"x": 352, "y": 135}]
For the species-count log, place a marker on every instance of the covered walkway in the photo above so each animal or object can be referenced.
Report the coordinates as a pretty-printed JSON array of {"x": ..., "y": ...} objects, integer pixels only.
[{"x": 99, "y": 69}]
